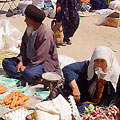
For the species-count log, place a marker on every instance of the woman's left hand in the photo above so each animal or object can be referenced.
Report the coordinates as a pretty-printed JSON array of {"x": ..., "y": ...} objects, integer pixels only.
[
  {"x": 75, "y": 90},
  {"x": 76, "y": 94}
]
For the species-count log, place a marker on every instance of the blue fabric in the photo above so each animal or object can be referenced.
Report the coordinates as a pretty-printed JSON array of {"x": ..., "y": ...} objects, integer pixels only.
[
  {"x": 73, "y": 71},
  {"x": 29, "y": 74},
  {"x": 117, "y": 96},
  {"x": 85, "y": 7},
  {"x": 81, "y": 108},
  {"x": 47, "y": 4},
  {"x": 78, "y": 71},
  {"x": 99, "y": 4}
]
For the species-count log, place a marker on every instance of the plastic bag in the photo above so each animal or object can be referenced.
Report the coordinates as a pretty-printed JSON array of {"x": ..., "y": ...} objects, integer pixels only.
[
  {"x": 103, "y": 15},
  {"x": 115, "y": 5},
  {"x": 23, "y": 4},
  {"x": 10, "y": 37}
]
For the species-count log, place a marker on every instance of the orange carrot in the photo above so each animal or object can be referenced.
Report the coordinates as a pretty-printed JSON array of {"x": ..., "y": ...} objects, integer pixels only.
[
  {"x": 14, "y": 101},
  {"x": 9, "y": 102},
  {"x": 8, "y": 106},
  {"x": 20, "y": 93},
  {"x": 6, "y": 97},
  {"x": 1, "y": 84},
  {"x": 14, "y": 85},
  {"x": 3, "y": 104},
  {"x": 14, "y": 91},
  {"x": 1, "y": 88},
  {"x": 3, "y": 91},
  {"x": 23, "y": 104},
  {"x": 23, "y": 99}
]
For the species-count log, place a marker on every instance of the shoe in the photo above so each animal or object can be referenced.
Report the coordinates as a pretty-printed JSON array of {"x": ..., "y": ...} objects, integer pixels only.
[
  {"x": 63, "y": 44},
  {"x": 69, "y": 42}
]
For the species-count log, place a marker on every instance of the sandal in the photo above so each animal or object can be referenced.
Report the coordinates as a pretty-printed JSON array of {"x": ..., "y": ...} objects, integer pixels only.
[
  {"x": 63, "y": 44},
  {"x": 69, "y": 42}
]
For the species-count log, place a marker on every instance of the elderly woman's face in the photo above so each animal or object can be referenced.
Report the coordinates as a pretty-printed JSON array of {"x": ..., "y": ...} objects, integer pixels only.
[{"x": 100, "y": 63}]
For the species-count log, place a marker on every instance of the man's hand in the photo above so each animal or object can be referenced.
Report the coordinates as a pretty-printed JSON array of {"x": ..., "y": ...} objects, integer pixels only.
[
  {"x": 19, "y": 65},
  {"x": 22, "y": 68}
]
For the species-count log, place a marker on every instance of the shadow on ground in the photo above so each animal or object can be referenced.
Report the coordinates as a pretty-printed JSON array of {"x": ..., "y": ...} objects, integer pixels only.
[{"x": 2, "y": 71}]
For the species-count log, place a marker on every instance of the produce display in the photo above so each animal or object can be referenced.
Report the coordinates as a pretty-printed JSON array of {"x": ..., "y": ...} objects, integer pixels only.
[
  {"x": 3, "y": 89},
  {"x": 14, "y": 99},
  {"x": 100, "y": 113}
]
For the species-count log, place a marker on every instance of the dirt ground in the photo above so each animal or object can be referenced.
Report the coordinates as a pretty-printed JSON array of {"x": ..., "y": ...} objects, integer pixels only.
[{"x": 87, "y": 37}]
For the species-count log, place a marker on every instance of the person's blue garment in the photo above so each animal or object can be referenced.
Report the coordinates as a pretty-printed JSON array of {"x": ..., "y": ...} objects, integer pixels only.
[
  {"x": 99, "y": 4},
  {"x": 78, "y": 71},
  {"x": 70, "y": 16},
  {"x": 81, "y": 108},
  {"x": 29, "y": 75},
  {"x": 117, "y": 96},
  {"x": 47, "y": 3},
  {"x": 85, "y": 7}
]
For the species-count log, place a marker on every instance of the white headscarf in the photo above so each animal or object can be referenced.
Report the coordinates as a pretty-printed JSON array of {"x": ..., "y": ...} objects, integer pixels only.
[{"x": 113, "y": 68}]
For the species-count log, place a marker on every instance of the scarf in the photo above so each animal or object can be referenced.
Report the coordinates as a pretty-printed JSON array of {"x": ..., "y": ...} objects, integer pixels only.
[
  {"x": 101, "y": 84},
  {"x": 112, "y": 71}
]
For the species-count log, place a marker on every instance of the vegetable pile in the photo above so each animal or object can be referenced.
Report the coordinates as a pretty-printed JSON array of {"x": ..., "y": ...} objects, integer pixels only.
[
  {"x": 3, "y": 89},
  {"x": 100, "y": 113},
  {"x": 14, "y": 99}
]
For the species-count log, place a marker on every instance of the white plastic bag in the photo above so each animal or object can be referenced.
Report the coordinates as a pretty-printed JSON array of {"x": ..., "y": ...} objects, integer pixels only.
[
  {"x": 104, "y": 14},
  {"x": 56, "y": 109},
  {"x": 65, "y": 60},
  {"x": 23, "y": 4},
  {"x": 115, "y": 5},
  {"x": 10, "y": 37},
  {"x": 1, "y": 40}
]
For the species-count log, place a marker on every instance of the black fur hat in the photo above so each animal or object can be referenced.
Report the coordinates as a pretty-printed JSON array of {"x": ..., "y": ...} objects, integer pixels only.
[{"x": 34, "y": 13}]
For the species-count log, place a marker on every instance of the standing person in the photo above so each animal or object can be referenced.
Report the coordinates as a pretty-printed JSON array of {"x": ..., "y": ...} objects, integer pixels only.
[
  {"x": 38, "y": 53},
  {"x": 68, "y": 10},
  {"x": 94, "y": 81}
]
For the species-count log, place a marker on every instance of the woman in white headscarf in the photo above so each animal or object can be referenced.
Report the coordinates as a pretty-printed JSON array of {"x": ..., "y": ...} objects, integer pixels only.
[{"x": 94, "y": 81}]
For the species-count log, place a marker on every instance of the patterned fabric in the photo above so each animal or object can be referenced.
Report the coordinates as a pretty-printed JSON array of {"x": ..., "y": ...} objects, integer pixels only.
[
  {"x": 92, "y": 88},
  {"x": 86, "y": 2},
  {"x": 70, "y": 16},
  {"x": 100, "y": 86}
]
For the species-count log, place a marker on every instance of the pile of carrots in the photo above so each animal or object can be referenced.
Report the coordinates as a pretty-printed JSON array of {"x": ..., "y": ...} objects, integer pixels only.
[
  {"x": 14, "y": 99},
  {"x": 3, "y": 89}
]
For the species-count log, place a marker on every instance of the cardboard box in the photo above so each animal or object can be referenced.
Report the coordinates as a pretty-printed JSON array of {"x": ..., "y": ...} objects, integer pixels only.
[{"x": 113, "y": 20}]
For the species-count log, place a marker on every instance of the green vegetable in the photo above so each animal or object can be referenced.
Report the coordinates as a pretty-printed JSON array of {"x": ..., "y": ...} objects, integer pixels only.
[{"x": 90, "y": 109}]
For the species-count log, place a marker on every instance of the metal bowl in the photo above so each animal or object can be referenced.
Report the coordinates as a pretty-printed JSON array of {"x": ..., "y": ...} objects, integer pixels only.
[{"x": 51, "y": 76}]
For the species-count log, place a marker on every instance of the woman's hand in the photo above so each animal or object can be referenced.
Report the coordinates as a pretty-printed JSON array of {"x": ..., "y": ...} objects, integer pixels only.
[
  {"x": 76, "y": 94},
  {"x": 75, "y": 90}
]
